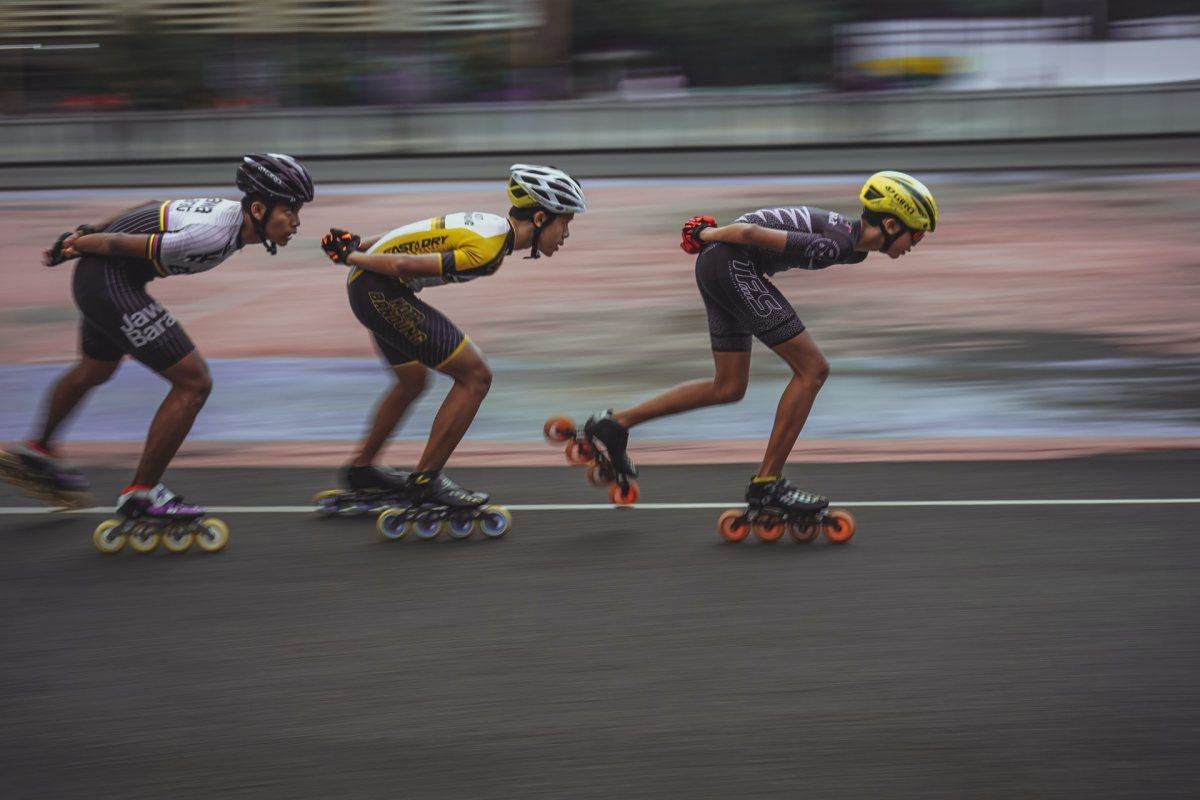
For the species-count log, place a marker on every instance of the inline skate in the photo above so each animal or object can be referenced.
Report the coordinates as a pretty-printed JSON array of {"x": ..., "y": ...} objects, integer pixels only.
[
  {"x": 772, "y": 508},
  {"x": 39, "y": 475},
  {"x": 366, "y": 490},
  {"x": 432, "y": 503},
  {"x": 600, "y": 445},
  {"x": 151, "y": 516}
]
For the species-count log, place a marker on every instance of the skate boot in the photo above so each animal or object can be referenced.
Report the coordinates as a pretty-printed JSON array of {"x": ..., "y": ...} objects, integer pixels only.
[
  {"x": 364, "y": 490},
  {"x": 602, "y": 445},
  {"x": 433, "y": 503},
  {"x": 773, "y": 506},
  {"x": 38, "y": 474},
  {"x": 149, "y": 516}
]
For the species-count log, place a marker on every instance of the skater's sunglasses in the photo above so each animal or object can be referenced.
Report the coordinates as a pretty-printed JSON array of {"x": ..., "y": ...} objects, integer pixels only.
[{"x": 916, "y": 235}]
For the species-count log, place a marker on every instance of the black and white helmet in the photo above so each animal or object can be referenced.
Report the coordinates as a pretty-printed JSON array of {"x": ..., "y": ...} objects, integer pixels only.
[
  {"x": 274, "y": 176},
  {"x": 552, "y": 189}
]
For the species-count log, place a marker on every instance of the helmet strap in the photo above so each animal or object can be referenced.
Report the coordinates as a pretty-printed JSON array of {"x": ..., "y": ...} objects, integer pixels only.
[
  {"x": 537, "y": 234},
  {"x": 890, "y": 238},
  {"x": 260, "y": 226}
]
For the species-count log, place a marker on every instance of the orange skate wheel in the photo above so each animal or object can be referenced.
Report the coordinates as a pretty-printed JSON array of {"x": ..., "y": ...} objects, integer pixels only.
[
  {"x": 768, "y": 529},
  {"x": 804, "y": 533},
  {"x": 623, "y": 497},
  {"x": 839, "y": 526},
  {"x": 732, "y": 527},
  {"x": 558, "y": 429},
  {"x": 576, "y": 454},
  {"x": 596, "y": 477}
]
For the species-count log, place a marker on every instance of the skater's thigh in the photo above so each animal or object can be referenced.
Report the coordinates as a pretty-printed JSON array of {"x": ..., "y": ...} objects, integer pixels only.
[
  {"x": 467, "y": 364},
  {"x": 406, "y": 328},
  {"x": 190, "y": 372},
  {"x": 741, "y": 301},
  {"x": 120, "y": 316}
]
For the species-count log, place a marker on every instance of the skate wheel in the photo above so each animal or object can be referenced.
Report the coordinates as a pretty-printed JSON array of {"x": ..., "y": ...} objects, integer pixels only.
[
  {"x": 178, "y": 539},
  {"x": 427, "y": 526},
  {"x": 327, "y": 502},
  {"x": 495, "y": 521},
  {"x": 392, "y": 524},
  {"x": 732, "y": 525},
  {"x": 839, "y": 526},
  {"x": 558, "y": 429},
  {"x": 768, "y": 529},
  {"x": 596, "y": 476},
  {"x": 108, "y": 537},
  {"x": 212, "y": 535},
  {"x": 461, "y": 525},
  {"x": 143, "y": 538},
  {"x": 804, "y": 533},
  {"x": 624, "y": 495},
  {"x": 579, "y": 452}
]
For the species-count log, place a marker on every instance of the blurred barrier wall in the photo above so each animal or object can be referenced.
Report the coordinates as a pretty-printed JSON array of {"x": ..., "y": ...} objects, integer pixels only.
[{"x": 739, "y": 120}]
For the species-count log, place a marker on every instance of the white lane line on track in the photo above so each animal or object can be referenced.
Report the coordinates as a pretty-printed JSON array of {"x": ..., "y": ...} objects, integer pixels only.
[{"x": 1156, "y": 501}]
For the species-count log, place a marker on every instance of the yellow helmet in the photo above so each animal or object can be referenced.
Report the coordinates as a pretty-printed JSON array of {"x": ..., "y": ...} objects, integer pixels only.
[{"x": 902, "y": 196}]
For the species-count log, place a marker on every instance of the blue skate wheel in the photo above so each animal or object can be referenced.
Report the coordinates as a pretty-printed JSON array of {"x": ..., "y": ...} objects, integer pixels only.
[
  {"x": 392, "y": 524},
  {"x": 495, "y": 521},
  {"x": 461, "y": 525},
  {"x": 427, "y": 526}
]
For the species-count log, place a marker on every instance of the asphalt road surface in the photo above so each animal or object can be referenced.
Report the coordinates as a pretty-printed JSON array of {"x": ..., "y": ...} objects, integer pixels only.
[{"x": 978, "y": 649}]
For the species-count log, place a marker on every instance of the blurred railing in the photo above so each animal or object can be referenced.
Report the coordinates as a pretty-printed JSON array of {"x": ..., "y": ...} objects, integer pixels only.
[{"x": 709, "y": 121}]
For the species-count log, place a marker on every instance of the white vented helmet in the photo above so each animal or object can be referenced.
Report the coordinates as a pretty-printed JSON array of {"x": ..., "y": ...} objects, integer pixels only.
[{"x": 552, "y": 189}]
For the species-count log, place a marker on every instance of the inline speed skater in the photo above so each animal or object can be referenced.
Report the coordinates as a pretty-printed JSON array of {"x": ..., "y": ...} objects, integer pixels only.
[
  {"x": 117, "y": 258},
  {"x": 733, "y": 268},
  {"x": 386, "y": 273}
]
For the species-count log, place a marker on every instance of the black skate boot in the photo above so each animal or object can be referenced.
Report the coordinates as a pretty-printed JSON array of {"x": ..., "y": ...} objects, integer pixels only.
[
  {"x": 780, "y": 496},
  {"x": 151, "y": 515},
  {"x": 43, "y": 477},
  {"x": 364, "y": 490},
  {"x": 433, "y": 503},
  {"x": 610, "y": 439}
]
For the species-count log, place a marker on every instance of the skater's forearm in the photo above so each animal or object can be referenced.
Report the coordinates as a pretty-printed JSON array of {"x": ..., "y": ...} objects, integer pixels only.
[
  {"x": 398, "y": 265},
  {"x": 746, "y": 234},
  {"x": 108, "y": 244}
]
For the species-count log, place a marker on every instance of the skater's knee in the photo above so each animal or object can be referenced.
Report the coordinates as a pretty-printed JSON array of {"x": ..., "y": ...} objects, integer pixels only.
[
  {"x": 192, "y": 380},
  {"x": 478, "y": 380},
  {"x": 729, "y": 392},
  {"x": 814, "y": 371},
  {"x": 90, "y": 372}
]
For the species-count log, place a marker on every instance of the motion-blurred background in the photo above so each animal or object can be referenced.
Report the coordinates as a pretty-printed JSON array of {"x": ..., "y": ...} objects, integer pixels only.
[{"x": 1055, "y": 302}]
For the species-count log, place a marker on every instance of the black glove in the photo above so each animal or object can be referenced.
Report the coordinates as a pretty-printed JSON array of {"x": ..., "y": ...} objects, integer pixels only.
[
  {"x": 339, "y": 244},
  {"x": 56, "y": 254}
]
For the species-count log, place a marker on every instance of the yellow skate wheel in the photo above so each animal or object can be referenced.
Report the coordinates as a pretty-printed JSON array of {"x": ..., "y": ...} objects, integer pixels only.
[
  {"x": 213, "y": 535},
  {"x": 178, "y": 539},
  {"x": 143, "y": 538},
  {"x": 495, "y": 521},
  {"x": 392, "y": 524},
  {"x": 107, "y": 536}
]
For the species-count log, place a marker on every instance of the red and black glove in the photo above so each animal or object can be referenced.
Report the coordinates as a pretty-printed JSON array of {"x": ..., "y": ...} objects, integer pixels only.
[
  {"x": 339, "y": 244},
  {"x": 691, "y": 233}
]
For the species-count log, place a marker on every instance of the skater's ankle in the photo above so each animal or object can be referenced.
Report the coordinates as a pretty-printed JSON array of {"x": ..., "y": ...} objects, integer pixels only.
[
  {"x": 40, "y": 447},
  {"x": 762, "y": 479},
  {"x": 136, "y": 488}
]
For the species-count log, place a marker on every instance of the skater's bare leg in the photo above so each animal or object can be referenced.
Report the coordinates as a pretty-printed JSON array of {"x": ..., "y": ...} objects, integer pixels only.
[
  {"x": 69, "y": 392},
  {"x": 190, "y": 386},
  {"x": 410, "y": 383},
  {"x": 809, "y": 371},
  {"x": 472, "y": 379},
  {"x": 728, "y": 385}
]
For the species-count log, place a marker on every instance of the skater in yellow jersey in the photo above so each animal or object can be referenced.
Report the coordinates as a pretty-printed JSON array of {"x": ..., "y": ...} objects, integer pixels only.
[{"x": 386, "y": 273}]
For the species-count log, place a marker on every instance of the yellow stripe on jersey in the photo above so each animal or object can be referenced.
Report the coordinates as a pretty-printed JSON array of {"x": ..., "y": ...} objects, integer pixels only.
[{"x": 156, "y": 238}]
